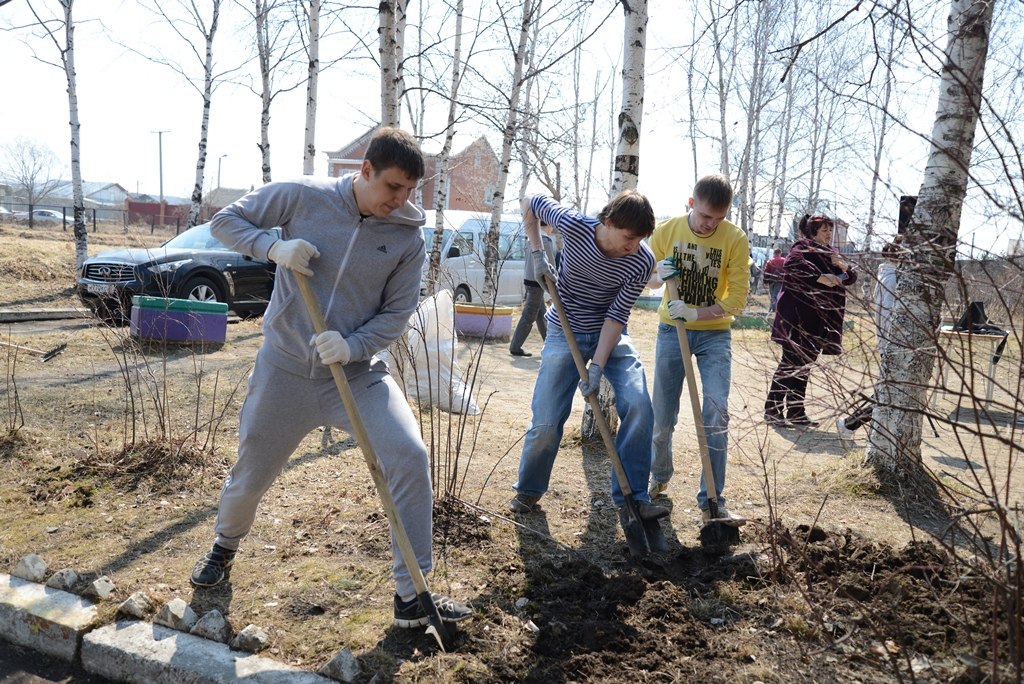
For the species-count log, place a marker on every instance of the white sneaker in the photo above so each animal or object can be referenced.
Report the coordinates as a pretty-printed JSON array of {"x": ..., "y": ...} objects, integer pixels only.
[
  {"x": 656, "y": 489},
  {"x": 724, "y": 515},
  {"x": 845, "y": 433}
]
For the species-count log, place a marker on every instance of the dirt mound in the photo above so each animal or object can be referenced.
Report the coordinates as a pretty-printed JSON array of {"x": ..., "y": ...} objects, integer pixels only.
[{"x": 856, "y": 609}]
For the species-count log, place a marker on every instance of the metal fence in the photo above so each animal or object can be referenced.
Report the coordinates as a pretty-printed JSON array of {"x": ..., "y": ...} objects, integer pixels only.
[{"x": 96, "y": 219}]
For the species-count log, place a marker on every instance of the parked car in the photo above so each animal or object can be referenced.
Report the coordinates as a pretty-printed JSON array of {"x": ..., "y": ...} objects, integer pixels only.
[
  {"x": 193, "y": 265},
  {"x": 462, "y": 256},
  {"x": 46, "y": 215}
]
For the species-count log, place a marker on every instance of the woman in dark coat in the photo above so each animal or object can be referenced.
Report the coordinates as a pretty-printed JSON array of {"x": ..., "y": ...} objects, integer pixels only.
[{"x": 808, "y": 318}]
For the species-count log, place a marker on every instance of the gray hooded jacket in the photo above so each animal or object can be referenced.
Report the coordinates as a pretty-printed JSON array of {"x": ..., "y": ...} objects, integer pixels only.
[{"x": 367, "y": 277}]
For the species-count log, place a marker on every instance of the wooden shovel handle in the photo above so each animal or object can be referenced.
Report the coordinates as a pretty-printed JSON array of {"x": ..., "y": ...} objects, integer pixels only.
[
  {"x": 370, "y": 456},
  {"x": 691, "y": 383}
]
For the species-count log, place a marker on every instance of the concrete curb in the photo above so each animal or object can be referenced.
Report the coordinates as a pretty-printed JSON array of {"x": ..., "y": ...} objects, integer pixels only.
[
  {"x": 132, "y": 651},
  {"x": 65, "y": 625},
  {"x": 18, "y": 316},
  {"x": 47, "y": 620}
]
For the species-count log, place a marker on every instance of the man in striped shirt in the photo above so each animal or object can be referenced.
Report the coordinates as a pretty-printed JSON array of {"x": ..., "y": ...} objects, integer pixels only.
[{"x": 605, "y": 266}]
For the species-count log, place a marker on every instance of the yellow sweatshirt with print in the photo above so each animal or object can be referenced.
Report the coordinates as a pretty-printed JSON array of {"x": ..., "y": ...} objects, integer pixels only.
[{"x": 713, "y": 269}]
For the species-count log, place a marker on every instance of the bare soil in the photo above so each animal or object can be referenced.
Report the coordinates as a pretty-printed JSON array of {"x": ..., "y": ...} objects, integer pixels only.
[{"x": 114, "y": 453}]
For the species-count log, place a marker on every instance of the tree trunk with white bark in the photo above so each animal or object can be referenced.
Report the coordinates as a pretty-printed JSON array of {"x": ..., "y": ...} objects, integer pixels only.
[
  {"x": 312, "y": 80},
  {"x": 441, "y": 186},
  {"x": 508, "y": 139},
  {"x": 626, "y": 172},
  {"x": 261, "y": 14},
  {"x": 204, "y": 129},
  {"x": 894, "y": 440},
  {"x": 390, "y": 102}
]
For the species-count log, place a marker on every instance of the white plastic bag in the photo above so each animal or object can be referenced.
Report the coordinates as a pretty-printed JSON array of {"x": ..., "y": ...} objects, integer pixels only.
[{"x": 434, "y": 377}]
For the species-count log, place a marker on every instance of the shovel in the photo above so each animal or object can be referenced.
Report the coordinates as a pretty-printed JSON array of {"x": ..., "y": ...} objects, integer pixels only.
[
  {"x": 436, "y": 627},
  {"x": 642, "y": 536},
  {"x": 717, "y": 534},
  {"x": 46, "y": 355}
]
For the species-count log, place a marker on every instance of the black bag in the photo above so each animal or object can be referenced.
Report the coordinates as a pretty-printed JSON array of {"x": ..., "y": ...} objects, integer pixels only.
[{"x": 976, "y": 321}]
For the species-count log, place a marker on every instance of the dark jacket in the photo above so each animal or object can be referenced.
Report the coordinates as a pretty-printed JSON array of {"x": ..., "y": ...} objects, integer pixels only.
[{"x": 809, "y": 315}]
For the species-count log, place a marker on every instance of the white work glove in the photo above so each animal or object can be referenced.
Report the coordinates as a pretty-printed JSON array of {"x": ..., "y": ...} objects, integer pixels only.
[
  {"x": 677, "y": 308},
  {"x": 293, "y": 254},
  {"x": 331, "y": 347},
  {"x": 667, "y": 269},
  {"x": 593, "y": 381},
  {"x": 541, "y": 268}
]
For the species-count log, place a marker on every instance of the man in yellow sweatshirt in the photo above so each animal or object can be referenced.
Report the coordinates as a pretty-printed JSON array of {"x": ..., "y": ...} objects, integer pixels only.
[{"x": 710, "y": 259}]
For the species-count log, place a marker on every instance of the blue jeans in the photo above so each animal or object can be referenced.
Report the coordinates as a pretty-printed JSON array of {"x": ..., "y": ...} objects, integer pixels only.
[
  {"x": 713, "y": 351},
  {"x": 556, "y": 385}
]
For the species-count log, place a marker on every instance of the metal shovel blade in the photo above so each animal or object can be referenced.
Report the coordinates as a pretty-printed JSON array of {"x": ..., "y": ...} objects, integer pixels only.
[
  {"x": 718, "y": 535},
  {"x": 633, "y": 528},
  {"x": 655, "y": 537},
  {"x": 436, "y": 627}
]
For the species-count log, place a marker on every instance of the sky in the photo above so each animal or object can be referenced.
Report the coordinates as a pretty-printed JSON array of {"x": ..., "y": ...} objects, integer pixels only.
[{"x": 126, "y": 100}]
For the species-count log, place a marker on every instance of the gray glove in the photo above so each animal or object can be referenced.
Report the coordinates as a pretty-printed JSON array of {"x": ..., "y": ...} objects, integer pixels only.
[
  {"x": 542, "y": 268},
  {"x": 593, "y": 381}
]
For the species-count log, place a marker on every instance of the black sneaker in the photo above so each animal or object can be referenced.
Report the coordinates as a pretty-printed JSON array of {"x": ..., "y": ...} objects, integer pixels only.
[
  {"x": 214, "y": 567},
  {"x": 802, "y": 421},
  {"x": 411, "y": 614}
]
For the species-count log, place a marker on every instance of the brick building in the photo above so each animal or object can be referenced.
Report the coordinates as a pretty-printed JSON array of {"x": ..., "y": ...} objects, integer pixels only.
[{"x": 473, "y": 172}]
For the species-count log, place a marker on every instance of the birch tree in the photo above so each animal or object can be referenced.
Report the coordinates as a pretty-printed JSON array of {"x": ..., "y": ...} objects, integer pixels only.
[
  {"x": 183, "y": 18},
  {"x": 275, "y": 40},
  {"x": 894, "y": 439},
  {"x": 626, "y": 166},
  {"x": 317, "y": 22},
  {"x": 390, "y": 46},
  {"x": 722, "y": 28},
  {"x": 66, "y": 52},
  {"x": 634, "y": 49},
  {"x": 311, "y": 15},
  {"x": 507, "y": 140},
  {"x": 441, "y": 185}
]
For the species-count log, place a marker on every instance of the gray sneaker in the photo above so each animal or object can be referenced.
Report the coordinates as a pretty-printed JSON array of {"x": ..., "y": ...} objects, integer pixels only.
[
  {"x": 523, "y": 503},
  {"x": 656, "y": 489}
]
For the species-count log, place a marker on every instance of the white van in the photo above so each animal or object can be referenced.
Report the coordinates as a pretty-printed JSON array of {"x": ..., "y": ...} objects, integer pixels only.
[{"x": 462, "y": 256}]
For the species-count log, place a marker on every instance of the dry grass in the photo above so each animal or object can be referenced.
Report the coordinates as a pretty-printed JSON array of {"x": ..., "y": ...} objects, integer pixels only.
[{"x": 86, "y": 489}]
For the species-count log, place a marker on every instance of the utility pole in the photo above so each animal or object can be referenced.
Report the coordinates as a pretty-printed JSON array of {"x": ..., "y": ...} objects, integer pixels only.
[
  {"x": 218, "y": 169},
  {"x": 160, "y": 143}
]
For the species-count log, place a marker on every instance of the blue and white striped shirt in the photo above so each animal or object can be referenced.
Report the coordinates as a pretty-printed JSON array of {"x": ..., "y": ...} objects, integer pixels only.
[{"x": 592, "y": 286}]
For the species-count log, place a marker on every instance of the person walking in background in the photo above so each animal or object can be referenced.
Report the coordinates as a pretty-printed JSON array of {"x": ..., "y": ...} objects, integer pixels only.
[
  {"x": 605, "y": 266},
  {"x": 755, "y": 272},
  {"x": 808, "y": 318},
  {"x": 773, "y": 277},
  {"x": 709, "y": 256},
  {"x": 533, "y": 304},
  {"x": 364, "y": 235},
  {"x": 885, "y": 300}
]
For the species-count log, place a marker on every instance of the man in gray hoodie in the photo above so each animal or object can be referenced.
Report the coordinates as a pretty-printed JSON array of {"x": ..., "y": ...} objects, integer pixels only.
[{"x": 359, "y": 238}]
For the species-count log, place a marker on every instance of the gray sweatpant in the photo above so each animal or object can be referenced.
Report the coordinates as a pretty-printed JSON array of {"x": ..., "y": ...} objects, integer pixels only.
[{"x": 282, "y": 408}]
